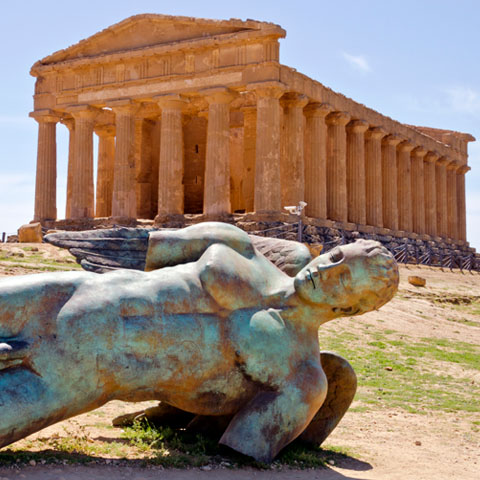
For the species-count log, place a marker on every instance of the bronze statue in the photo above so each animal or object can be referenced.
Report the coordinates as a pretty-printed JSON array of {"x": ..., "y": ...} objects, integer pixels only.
[{"x": 214, "y": 329}]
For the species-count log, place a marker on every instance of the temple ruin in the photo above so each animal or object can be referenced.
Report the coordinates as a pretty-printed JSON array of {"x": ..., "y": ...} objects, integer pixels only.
[{"x": 198, "y": 116}]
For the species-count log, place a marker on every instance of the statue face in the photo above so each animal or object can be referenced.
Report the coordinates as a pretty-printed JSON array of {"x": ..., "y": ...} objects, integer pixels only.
[{"x": 350, "y": 279}]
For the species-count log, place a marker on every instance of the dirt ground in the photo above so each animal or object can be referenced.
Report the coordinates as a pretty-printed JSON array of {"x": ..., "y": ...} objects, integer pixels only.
[{"x": 386, "y": 443}]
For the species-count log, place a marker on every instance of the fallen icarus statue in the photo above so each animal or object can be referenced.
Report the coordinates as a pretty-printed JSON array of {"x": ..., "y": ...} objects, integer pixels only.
[{"x": 213, "y": 328}]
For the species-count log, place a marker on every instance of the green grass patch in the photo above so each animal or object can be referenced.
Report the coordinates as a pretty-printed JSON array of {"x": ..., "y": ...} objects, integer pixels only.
[
  {"x": 178, "y": 448},
  {"x": 397, "y": 372}
]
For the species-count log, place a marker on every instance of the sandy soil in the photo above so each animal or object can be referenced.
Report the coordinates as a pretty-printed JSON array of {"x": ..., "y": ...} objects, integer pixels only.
[{"x": 386, "y": 444}]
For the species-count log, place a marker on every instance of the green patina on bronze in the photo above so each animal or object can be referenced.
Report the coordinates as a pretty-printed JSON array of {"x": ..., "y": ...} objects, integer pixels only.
[{"x": 214, "y": 328}]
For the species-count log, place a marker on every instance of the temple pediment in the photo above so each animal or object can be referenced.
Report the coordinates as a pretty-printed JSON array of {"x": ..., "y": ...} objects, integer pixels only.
[{"x": 148, "y": 30}]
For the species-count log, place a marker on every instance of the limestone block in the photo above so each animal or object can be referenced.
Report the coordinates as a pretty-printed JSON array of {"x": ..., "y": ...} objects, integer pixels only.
[
  {"x": 30, "y": 233},
  {"x": 417, "y": 281}
]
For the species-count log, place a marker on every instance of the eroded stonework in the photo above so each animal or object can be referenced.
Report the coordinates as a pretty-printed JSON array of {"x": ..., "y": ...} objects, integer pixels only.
[{"x": 198, "y": 116}]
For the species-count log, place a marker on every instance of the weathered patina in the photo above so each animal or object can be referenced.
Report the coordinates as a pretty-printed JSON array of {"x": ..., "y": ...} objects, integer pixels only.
[{"x": 214, "y": 329}]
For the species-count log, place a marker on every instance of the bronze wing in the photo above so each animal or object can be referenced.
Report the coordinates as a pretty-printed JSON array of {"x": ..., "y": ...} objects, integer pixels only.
[{"x": 104, "y": 250}]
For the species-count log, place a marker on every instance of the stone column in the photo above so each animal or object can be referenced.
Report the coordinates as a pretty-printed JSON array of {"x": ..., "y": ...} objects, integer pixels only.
[
  {"x": 70, "y": 124},
  {"x": 404, "y": 187},
  {"x": 171, "y": 163},
  {"x": 249, "y": 137},
  {"x": 461, "y": 207},
  {"x": 292, "y": 166},
  {"x": 441, "y": 189},
  {"x": 356, "y": 197},
  {"x": 267, "y": 149},
  {"x": 316, "y": 159},
  {"x": 46, "y": 174},
  {"x": 337, "y": 166},
  {"x": 389, "y": 181},
  {"x": 105, "y": 168},
  {"x": 82, "y": 202},
  {"x": 216, "y": 197},
  {"x": 418, "y": 190},
  {"x": 237, "y": 170},
  {"x": 373, "y": 175},
  {"x": 452, "y": 225},
  {"x": 430, "y": 189},
  {"x": 124, "y": 201}
]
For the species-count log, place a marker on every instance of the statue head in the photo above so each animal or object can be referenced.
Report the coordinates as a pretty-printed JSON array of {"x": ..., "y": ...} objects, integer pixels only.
[{"x": 349, "y": 280}]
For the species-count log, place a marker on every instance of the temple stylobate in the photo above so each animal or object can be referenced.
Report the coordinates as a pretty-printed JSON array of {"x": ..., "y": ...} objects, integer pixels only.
[{"x": 198, "y": 116}]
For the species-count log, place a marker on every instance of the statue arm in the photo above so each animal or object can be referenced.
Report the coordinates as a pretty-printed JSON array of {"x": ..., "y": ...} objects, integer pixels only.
[
  {"x": 167, "y": 248},
  {"x": 273, "y": 419}
]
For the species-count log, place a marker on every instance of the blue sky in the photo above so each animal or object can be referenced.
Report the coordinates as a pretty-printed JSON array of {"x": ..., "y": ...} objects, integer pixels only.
[{"x": 415, "y": 61}]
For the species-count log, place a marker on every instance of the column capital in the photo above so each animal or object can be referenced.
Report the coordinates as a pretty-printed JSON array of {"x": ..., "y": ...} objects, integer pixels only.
[
  {"x": 338, "y": 118},
  {"x": 357, "y": 126},
  {"x": 124, "y": 106},
  {"x": 83, "y": 111},
  {"x": 318, "y": 109},
  {"x": 453, "y": 165},
  {"x": 69, "y": 122},
  {"x": 375, "y": 133},
  {"x": 419, "y": 152},
  {"x": 405, "y": 146},
  {"x": 443, "y": 161},
  {"x": 463, "y": 169},
  {"x": 105, "y": 130},
  {"x": 267, "y": 89},
  {"x": 218, "y": 95},
  {"x": 45, "y": 116},
  {"x": 294, "y": 99},
  {"x": 392, "y": 139},
  {"x": 171, "y": 101},
  {"x": 431, "y": 157}
]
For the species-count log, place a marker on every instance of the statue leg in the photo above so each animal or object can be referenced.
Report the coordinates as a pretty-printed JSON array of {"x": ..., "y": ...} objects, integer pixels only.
[
  {"x": 342, "y": 385},
  {"x": 272, "y": 419},
  {"x": 39, "y": 386}
]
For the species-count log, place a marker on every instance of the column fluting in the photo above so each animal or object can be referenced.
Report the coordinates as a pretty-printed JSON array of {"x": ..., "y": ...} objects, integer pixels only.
[
  {"x": 389, "y": 181},
  {"x": 249, "y": 136},
  {"x": 461, "y": 206},
  {"x": 292, "y": 166},
  {"x": 70, "y": 124},
  {"x": 82, "y": 202},
  {"x": 316, "y": 159},
  {"x": 373, "y": 175},
  {"x": 418, "y": 190},
  {"x": 105, "y": 168},
  {"x": 124, "y": 199},
  {"x": 267, "y": 148},
  {"x": 171, "y": 163},
  {"x": 337, "y": 166},
  {"x": 452, "y": 218},
  {"x": 441, "y": 193},
  {"x": 216, "y": 198},
  {"x": 46, "y": 172},
  {"x": 430, "y": 189},
  {"x": 356, "y": 196},
  {"x": 404, "y": 188}
]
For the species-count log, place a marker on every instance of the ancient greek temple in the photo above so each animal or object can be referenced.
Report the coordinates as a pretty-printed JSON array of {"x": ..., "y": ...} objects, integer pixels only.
[{"x": 198, "y": 116}]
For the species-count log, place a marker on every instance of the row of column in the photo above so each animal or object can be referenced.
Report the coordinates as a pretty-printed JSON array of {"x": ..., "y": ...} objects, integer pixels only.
[
  {"x": 350, "y": 171},
  {"x": 345, "y": 169}
]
